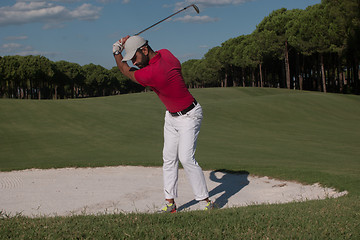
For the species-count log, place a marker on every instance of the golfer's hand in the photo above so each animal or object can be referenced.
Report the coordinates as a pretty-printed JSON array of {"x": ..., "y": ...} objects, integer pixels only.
[{"x": 118, "y": 46}]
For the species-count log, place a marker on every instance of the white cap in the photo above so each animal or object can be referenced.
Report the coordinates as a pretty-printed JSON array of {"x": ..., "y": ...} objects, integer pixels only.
[{"x": 132, "y": 45}]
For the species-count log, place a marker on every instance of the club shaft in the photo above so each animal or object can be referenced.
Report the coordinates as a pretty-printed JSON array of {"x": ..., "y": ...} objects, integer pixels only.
[{"x": 164, "y": 19}]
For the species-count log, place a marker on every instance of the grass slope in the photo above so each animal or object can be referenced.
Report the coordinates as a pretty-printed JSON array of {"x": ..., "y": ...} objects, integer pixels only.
[
  {"x": 80, "y": 133},
  {"x": 304, "y": 136}
]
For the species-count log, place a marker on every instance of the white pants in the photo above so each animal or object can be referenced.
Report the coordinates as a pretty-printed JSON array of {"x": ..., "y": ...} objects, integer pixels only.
[{"x": 180, "y": 135}]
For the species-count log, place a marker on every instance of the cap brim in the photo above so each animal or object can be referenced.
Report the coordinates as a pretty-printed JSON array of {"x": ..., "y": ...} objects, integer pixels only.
[{"x": 129, "y": 55}]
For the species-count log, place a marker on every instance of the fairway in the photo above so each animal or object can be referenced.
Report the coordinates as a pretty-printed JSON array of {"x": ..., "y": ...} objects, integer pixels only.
[{"x": 305, "y": 136}]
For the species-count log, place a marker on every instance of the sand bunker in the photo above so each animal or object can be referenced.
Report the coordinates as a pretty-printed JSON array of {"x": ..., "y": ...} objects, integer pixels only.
[{"x": 124, "y": 189}]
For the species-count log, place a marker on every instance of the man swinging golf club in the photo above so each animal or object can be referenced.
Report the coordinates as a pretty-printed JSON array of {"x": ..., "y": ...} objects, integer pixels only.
[{"x": 161, "y": 71}]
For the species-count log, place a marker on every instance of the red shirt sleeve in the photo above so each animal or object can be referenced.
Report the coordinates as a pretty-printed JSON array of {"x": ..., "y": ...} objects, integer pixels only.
[{"x": 143, "y": 76}]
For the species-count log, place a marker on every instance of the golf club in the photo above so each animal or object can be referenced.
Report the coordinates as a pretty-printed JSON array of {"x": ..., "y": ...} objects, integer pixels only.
[{"x": 192, "y": 5}]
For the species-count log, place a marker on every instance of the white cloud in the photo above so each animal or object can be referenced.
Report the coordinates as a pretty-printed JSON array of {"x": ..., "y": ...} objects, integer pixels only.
[
  {"x": 210, "y": 3},
  {"x": 15, "y": 38},
  {"x": 45, "y": 12},
  {"x": 53, "y": 25},
  {"x": 61, "y": 1},
  {"x": 85, "y": 12},
  {"x": 13, "y": 47},
  {"x": 22, "y": 50},
  {"x": 203, "y": 4},
  {"x": 34, "y": 52},
  {"x": 10, "y": 47},
  {"x": 196, "y": 19}
]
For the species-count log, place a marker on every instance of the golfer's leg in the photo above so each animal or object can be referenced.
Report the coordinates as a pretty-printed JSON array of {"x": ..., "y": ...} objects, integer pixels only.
[
  {"x": 189, "y": 132},
  {"x": 170, "y": 159}
]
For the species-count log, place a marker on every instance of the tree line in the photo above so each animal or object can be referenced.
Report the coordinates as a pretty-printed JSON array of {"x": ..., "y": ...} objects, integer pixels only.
[
  {"x": 36, "y": 77},
  {"x": 313, "y": 49}
]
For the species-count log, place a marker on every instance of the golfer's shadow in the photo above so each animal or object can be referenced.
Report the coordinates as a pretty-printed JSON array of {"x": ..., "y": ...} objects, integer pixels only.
[{"x": 231, "y": 183}]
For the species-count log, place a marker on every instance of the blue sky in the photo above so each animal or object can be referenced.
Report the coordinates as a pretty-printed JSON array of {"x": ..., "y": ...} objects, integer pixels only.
[{"x": 83, "y": 31}]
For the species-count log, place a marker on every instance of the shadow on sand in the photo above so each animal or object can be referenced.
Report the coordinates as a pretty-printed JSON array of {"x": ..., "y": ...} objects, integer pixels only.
[{"x": 231, "y": 183}]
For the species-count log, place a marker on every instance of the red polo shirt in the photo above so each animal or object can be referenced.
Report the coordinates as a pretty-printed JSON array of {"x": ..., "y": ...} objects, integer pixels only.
[{"x": 163, "y": 75}]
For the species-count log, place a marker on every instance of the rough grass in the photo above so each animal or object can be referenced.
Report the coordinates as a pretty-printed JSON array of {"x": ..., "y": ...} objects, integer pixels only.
[{"x": 325, "y": 219}]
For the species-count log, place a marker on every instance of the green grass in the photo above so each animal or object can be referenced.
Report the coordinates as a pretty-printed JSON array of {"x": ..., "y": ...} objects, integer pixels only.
[
  {"x": 326, "y": 219},
  {"x": 304, "y": 136},
  {"x": 84, "y": 132}
]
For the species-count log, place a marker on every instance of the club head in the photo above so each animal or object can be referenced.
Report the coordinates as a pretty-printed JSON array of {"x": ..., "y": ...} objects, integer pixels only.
[{"x": 196, "y": 8}]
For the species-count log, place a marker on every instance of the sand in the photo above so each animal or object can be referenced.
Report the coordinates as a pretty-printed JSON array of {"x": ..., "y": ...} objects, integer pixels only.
[{"x": 125, "y": 189}]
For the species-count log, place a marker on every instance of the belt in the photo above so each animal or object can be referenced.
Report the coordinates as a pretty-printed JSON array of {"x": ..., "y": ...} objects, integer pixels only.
[{"x": 186, "y": 110}]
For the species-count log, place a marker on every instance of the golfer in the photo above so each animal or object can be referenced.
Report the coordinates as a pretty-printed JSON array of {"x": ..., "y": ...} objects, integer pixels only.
[{"x": 161, "y": 71}]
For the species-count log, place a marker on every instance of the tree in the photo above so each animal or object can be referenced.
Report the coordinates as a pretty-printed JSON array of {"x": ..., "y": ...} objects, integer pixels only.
[
  {"x": 2, "y": 78},
  {"x": 72, "y": 75},
  {"x": 244, "y": 58},
  {"x": 277, "y": 22},
  {"x": 187, "y": 70},
  {"x": 121, "y": 84},
  {"x": 344, "y": 25},
  {"x": 11, "y": 78},
  {"x": 36, "y": 73},
  {"x": 213, "y": 66},
  {"x": 310, "y": 34},
  {"x": 238, "y": 56},
  {"x": 260, "y": 45}
]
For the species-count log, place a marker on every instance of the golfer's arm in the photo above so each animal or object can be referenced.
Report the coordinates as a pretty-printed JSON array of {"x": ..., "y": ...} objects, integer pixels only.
[{"x": 124, "y": 68}]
